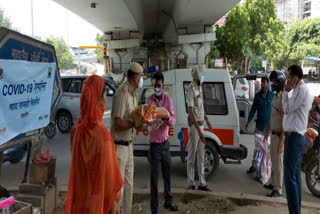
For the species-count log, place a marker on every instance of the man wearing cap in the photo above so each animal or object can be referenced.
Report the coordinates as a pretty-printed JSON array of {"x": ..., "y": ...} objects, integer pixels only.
[
  {"x": 196, "y": 119},
  {"x": 122, "y": 129}
]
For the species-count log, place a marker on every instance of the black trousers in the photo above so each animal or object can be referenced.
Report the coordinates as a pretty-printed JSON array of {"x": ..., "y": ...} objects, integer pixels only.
[{"x": 159, "y": 153}]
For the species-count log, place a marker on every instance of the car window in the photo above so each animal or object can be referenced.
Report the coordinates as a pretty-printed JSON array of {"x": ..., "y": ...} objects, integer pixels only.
[
  {"x": 76, "y": 86},
  {"x": 66, "y": 84},
  {"x": 214, "y": 98},
  {"x": 147, "y": 92}
]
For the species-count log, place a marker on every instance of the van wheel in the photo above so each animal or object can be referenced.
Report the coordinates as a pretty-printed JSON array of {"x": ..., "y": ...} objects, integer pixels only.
[
  {"x": 211, "y": 159},
  {"x": 64, "y": 122}
]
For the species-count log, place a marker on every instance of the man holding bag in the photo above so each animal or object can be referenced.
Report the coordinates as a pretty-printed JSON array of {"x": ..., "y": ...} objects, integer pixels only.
[
  {"x": 159, "y": 151},
  {"x": 261, "y": 105}
]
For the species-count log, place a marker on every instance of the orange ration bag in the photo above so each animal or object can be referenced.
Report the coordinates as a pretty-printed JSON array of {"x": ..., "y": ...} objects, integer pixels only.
[{"x": 146, "y": 112}]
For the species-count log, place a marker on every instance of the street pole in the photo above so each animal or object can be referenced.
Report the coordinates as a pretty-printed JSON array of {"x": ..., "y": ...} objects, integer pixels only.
[{"x": 32, "y": 18}]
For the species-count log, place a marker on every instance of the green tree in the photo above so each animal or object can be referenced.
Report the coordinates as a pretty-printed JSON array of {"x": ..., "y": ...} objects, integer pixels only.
[
  {"x": 99, "y": 52},
  {"x": 304, "y": 39},
  {"x": 251, "y": 30},
  {"x": 64, "y": 56},
  {"x": 5, "y": 21}
]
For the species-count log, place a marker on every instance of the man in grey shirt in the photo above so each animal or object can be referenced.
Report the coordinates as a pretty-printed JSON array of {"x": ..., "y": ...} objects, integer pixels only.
[{"x": 296, "y": 106}]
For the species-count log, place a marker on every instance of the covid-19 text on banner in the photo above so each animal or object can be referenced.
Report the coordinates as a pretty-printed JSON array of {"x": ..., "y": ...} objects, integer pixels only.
[{"x": 25, "y": 95}]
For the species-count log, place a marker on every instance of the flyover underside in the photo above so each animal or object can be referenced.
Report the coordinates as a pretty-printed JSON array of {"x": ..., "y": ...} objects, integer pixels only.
[{"x": 167, "y": 33}]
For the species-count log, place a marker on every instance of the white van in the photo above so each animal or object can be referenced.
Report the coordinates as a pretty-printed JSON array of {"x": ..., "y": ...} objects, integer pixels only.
[{"x": 220, "y": 106}]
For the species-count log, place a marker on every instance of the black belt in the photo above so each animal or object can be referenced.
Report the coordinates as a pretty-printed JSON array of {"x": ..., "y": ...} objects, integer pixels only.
[
  {"x": 292, "y": 134},
  {"x": 123, "y": 143},
  {"x": 277, "y": 133}
]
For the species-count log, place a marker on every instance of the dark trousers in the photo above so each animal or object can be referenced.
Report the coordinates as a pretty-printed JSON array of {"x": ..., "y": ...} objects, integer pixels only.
[
  {"x": 159, "y": 153},
  {"x": 293, "y": 153}
]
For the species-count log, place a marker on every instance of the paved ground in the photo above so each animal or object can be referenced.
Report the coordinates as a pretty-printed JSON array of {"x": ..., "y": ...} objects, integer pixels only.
[{"x": 228, "y": 178}]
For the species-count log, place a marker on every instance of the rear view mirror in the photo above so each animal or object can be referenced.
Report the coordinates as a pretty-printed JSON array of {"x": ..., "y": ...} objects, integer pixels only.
[{"x": 110, "y": 93}]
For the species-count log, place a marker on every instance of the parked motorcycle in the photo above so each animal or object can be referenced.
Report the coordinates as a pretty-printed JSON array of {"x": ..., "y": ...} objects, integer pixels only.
[
  {"x": 311, "y": 160},
  {"x": 51, "y": 130}
]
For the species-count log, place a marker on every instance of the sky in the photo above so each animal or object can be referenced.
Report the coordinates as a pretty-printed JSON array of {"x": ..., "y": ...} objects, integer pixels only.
[{"x": 49, "y": 18}]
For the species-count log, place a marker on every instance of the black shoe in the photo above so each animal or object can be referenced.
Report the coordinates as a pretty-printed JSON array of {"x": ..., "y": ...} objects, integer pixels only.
[
  {"x": 204, "y": 188},
  {"x": 191, "y": 187},
  {"x": 171, "y": 206},
  {"x": 251, "y": 170},
  {"x": 269, "y": 186},
  {"x": 274, "y": 194}
]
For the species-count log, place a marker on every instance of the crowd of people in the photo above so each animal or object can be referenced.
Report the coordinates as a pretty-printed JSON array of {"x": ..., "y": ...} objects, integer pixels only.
[{"x": 102, "y": 167}]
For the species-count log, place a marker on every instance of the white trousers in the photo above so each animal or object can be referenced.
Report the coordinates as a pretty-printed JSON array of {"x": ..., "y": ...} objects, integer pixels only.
[{"x": 195, "y": 147}]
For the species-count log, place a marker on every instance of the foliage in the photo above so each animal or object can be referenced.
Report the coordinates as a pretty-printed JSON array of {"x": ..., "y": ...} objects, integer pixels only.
[
  {"x": 5, "y": 21},
  {"x": 99, "y": 52},
  {"x": 251, "y": 29},
  {"x": 64, "y": 56}
]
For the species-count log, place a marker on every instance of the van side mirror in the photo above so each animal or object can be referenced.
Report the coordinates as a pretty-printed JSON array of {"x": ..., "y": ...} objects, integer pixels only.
[{"x": 110, "y": 92}]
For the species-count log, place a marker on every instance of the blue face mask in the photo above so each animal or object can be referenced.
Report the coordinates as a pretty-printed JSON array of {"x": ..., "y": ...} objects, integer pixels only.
[
  {"x": 157, "y": 91},
  {"x": 263, "y": 89}
]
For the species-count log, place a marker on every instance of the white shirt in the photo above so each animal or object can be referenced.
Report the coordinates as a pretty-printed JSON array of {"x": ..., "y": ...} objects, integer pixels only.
[
  {"x": 195, "y": 100},
  {"x": 296, "y": 109}
]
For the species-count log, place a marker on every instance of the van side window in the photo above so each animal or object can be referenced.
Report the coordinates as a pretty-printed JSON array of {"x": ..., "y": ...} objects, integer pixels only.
[
  {"x": 66, "y": 84},
  {"x": 214, "y": 98},
  {"x": 147, "y": 92}
]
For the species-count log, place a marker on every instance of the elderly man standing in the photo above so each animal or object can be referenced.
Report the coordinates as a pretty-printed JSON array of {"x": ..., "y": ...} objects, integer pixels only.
[
  {"x": 295, "y": 121},
  {"x": 123, "y": 103},
  {"x": 196, "y": 119}
]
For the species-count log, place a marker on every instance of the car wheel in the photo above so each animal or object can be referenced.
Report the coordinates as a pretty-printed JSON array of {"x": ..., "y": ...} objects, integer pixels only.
[
  {"x": 211, "y": 159},
  {"x": 64, "y": 122},
  {"x": 19, "y": 158}
]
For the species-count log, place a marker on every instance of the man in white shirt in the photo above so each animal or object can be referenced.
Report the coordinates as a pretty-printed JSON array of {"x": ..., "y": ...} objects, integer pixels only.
[{"x": 296, "y": 108}]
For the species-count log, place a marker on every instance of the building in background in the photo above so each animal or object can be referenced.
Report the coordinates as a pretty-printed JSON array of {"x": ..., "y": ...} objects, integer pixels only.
[{"x": 297, "y": 9}]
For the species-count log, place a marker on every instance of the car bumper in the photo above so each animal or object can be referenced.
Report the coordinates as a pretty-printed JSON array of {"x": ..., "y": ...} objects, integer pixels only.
[{"x": 239, "y": 153}]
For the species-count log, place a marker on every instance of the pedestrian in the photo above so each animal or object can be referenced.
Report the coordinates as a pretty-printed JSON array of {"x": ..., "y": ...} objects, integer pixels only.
[
  {"x": 196, "y": 118},
  {"x": 295, "y": 121},
  {"x": 277, "y": 135},
  {"x": 95, "y": 179},
  {"x": 159, "y": 151},
  {"x": 122, "y": 129},
  {"x": 262, "y": 105}
]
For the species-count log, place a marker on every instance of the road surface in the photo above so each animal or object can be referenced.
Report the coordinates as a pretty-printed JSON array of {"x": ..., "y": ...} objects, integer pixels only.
[{"x": 228, "y": 178}]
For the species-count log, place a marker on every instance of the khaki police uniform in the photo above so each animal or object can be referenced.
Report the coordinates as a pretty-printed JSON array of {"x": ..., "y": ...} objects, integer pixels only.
[
  {"x": 123, "y": 103},
  {"x": 195, "y": 145},
  {"x": 276, "y": 158}
]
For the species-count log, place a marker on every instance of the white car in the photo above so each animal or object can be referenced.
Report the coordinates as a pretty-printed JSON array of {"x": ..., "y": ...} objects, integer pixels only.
[{"x": 241, "y": 88}]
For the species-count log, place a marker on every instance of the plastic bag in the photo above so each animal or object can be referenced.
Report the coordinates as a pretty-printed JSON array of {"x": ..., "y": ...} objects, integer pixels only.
[
  {"x": 262, "y": 159},
  {"x": 146, "y": 112},
  {"x": 162, "y": 113}
]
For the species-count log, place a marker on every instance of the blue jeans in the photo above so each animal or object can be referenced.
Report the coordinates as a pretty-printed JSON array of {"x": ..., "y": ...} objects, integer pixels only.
[{"x": 293, "y": 153}]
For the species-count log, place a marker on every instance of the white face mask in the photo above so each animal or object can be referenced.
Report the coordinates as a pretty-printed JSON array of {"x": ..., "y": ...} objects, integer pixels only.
[
  {"x": 141, "y": 82},
  {"x": 157, "y": 91},
  {"x": 200, "y": 75}
]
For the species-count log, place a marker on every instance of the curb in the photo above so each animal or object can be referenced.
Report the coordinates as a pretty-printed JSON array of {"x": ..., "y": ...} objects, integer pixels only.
[{"x": 237, "y": 196}]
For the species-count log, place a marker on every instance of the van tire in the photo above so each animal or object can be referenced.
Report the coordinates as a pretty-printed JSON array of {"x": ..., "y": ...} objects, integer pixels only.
[
  {"x": 64, "y": 122},
  {"x": 211, "y": 159}
]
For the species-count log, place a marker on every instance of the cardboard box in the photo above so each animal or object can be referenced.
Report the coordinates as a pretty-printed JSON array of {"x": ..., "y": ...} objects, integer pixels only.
[
  {"x": 42, "y": 173},
  {"x": 17, "y": 208}
]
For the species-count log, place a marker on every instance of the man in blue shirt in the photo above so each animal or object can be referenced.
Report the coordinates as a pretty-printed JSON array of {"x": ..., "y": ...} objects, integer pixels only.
[{"x": 262, "y": 105}]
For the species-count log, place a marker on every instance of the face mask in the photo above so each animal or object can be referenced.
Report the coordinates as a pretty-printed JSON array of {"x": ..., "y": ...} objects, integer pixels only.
[
  {"x": 200, "y": 75},
  {"x": 157, "y": 91},
  {"x": 141, "y": 83},
  {"x": 263, "y": 89},
  {"x": 276, "y": 88}
]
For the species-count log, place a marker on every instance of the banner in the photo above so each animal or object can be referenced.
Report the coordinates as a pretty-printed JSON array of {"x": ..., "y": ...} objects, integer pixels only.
[{"x": 26, "y": 90}]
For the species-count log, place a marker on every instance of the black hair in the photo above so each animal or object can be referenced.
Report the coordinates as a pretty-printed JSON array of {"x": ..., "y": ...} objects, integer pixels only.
[
  {"x": 158, "y": 76},
  {"x": 130, "y": 74},
  {"x": 296, "y": 70},
  {"x": 265, "y": 79}
]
